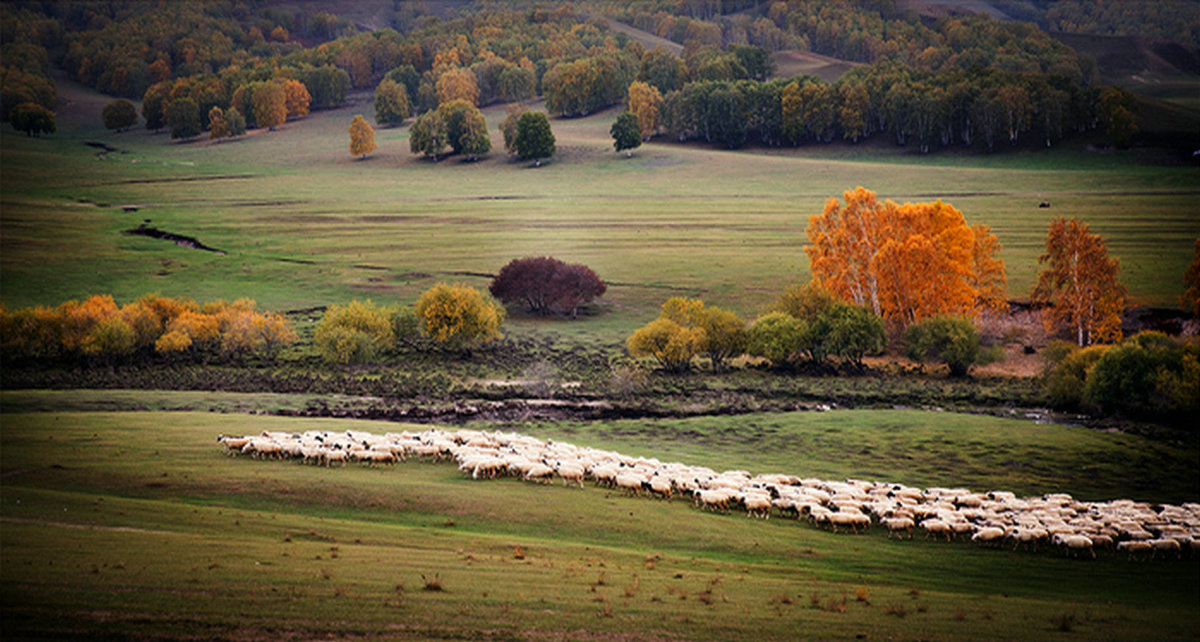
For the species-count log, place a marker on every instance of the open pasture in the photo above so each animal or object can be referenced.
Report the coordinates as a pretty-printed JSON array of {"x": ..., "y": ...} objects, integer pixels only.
[
  {"x": 137, "y": 524},
  {"x": 304, "y": 224}
]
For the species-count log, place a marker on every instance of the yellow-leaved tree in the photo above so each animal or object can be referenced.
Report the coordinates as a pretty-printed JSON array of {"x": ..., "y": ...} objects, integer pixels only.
[
  {"x": 459, "y": 317},
  {"x": 645, "y": 102},
  {"x": 457, "y": 83},
  {"x": 362, "y": 137},
  {"x": 905, "y": 262},
  {"x": 1079, "y": 286},
  {"x": 686, "y": 328}
]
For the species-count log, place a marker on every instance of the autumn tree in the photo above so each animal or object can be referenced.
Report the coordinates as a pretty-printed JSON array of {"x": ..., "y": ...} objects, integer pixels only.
[
  {"x": 1118, "y": 113},
  {"x": 545, "y": 284},
  {"x": 357, "y": 332},
  {"x": 296, "y": 98},
  {"x": 516, "y": 84},
  {"x": 1191, "y": 278},
  {"x": 1079, "y": 286},
  {"x": 645, "y": 103},
  {"x": 391, "y": 103},
  {"x": 534, "y": 138},
  {"x": 722, "y": 333},
  {"x": 508, "y": 126},
  {"x": 217, "y": 126},
  {"x": 183, "y": 118},
  {"x": 670, "y": 344},
  {"x": 269, "y": 103},
  {"x": 459, "y": 317},
  {"x": 904, "y": 262},
  {"x": 362, "y": 137},
  {"x": 625, "y": 133},
  {"x": 457, "y": 84},
  {"x": 120, "y": 115}
]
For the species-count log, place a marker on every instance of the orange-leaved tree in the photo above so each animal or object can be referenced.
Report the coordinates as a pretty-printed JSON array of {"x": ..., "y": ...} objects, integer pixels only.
[
  {"x": 905, "y": 262},
  {"x": 1079, "y": 286}
]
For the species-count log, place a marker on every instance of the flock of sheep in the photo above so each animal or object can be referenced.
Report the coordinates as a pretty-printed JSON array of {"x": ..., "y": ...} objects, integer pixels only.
[{"x": 997, "y": 518}]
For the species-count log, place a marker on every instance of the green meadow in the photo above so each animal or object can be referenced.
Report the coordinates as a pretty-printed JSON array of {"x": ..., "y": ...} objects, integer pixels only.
[
  {"x": 136, "y": 524},
  {"x": 304, "y": 224}
]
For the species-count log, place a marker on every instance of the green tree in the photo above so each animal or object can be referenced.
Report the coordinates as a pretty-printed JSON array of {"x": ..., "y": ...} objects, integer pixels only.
[
  {"x": 427, "y": 135},
  {"x": 391, "y": 103},
  {"x": 183, "y": 118},
  {"x": 354, "y": 333},
  {"x": 626, "y": 134},
  {"x": 459, "y": 317},
  {"x": 953, "y": 341},
  {"x": 465, "y": 128},
  {"x": 236, "y": 122},
  {"x": 32, "y": 119},
  {"x": 534, "y": 138},
  {"x": 781, "y": 338},
  {"x": 848, "y": 332},
  {"x": 154, "y": 103},
  {"x": 508, "y": 127},
  {"x": 120, "y": 115}
]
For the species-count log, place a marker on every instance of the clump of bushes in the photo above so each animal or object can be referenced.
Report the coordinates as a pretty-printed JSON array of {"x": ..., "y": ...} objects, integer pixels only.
[
  {"x": 808, "y": 324},
  {"x": 1148, "y": 375},
  {"x": 98, "y": 330},
  {"x": 953, "y": 341}
]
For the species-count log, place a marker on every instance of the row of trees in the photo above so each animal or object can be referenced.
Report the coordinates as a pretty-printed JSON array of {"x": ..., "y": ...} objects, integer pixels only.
[
  {"x": 27, "y": 93},
  {"x": 187, "y": 106},
  {"x": 928, "y": 110},
  {"x": 97, "y": 329}
]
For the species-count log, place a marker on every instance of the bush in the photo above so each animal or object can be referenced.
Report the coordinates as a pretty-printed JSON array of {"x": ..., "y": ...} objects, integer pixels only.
[
  {"x": 953, "y": 341},
  {"x": 354, "y": 333},
  {"x": 723, "y": 333},
  {"x": 668, "y": 342},
  {"x": 804, "y": 302},
  {"x": 779, "y": 337},
  {"x": 1067, "y": 368},
  {"x": 1149, "y": 375},
  {"x": 459, "y": 317},
  {"x": 120, "y": 115},
  {"x": 545, "y": 284},
  {"x": 848, "y": 332}
]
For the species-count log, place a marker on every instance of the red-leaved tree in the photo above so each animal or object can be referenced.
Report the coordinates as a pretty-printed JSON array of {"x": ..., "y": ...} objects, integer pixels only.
[{"x": 545, "y": 284}]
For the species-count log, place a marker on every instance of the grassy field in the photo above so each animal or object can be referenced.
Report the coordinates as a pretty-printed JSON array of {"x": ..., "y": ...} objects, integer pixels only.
[
  {"x": 135, "y": 524},
  {"x": 304, "y": 224}
]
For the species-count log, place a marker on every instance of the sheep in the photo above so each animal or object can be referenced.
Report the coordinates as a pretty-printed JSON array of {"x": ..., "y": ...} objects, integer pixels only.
[
  {"x": 1075, "y": 544},
  {"x": 1166, "y": 546},
  {"x": 988, "y": 535},
  {"x": 851, "y": 519},
  {"x": 757, "y": 505},
  {"x": 540, "y": 473},
  {"x": 934, "y": 526},
  {"x": 1136, "y": 548},
  {"x": 898, "y": 525},
  {"x": 570, "y": 472}
]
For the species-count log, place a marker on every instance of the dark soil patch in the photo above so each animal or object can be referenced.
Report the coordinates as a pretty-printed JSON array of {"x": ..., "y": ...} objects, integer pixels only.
[
  {"x": 184, "y": 179},
  {"x": 177, "y": 239}
]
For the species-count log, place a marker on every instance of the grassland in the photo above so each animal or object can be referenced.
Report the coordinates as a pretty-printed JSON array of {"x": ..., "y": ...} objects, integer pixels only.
[
  {"x": 305, "y": 224},
  {"x": 134, "y": 524}
]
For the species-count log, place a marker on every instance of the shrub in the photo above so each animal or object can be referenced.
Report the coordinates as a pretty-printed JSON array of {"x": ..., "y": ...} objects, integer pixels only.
[
  {"x": 723, "y": 333},
  {"x": 120, "y": 115},
  {"x": 953, "y": 341},
  {"x": 804, "y": 302},
  {"x": 668, "y": 342},
  {"x": 545, "y": 284},
  {"x": 779, "y": 337},
  {"x": 354, "y": 333},
  {"x": 459, "y": 317},
  {"x": 1149, "y": 374},
  {"x": 1067, "y": 368},
  {"x": 848, "y": 332}
]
